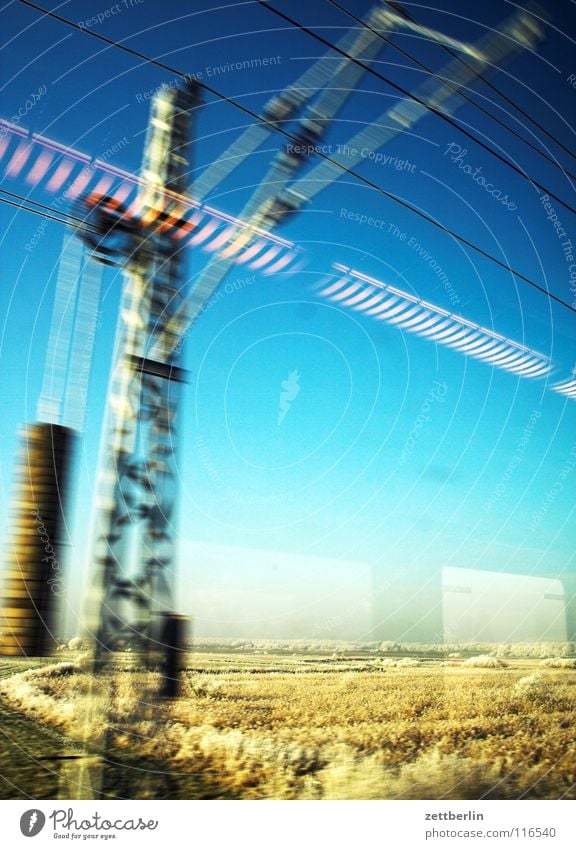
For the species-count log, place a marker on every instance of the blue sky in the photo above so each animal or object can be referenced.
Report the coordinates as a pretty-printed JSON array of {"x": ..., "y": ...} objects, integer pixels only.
[{"x": 328, "y": 480}]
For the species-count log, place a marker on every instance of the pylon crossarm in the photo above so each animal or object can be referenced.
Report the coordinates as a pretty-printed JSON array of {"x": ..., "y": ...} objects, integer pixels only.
[
  {"x": 288, "y": 105},
  {"x": 494, "y": 50},
  {"x": 519, "y": 32}
]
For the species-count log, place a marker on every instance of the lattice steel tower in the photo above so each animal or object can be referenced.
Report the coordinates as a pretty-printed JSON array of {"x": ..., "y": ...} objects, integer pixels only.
[{"x": 131, "y": 595}]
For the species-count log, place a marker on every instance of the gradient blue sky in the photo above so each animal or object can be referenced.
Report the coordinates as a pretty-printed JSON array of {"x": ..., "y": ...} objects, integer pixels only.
[{"x": 327, "y": 482}]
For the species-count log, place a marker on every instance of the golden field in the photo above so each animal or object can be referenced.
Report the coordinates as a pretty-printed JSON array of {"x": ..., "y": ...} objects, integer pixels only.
[{"x": 254, "y": 726}]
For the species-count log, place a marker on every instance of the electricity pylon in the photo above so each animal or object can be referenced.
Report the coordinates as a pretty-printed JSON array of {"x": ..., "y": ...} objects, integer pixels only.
[
  {"x": 132, "y": 594},
  {"x": 132, "y": 590},
  {"x": 134, "y": 537}
]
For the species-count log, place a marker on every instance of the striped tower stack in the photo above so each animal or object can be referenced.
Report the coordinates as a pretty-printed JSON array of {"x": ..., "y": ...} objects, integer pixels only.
[{"x": 33, "y": 577}]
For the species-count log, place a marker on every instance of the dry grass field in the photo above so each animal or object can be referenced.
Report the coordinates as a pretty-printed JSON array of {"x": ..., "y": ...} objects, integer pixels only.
[{"x": 265, "y": 726}]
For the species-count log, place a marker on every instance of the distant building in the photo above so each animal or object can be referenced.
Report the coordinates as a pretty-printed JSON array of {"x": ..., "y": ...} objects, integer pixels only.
[
  {"x": 263, "y": 594},
  {"x": 453, "y": 605},
  {"x": 498, "y": 607}
]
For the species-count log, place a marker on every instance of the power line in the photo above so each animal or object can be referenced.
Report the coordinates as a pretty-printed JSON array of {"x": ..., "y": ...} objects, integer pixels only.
[
  {"x": 494, "y": 88},
  {"x": 73, "y": 221},
  {"x": 478, "y": 106},
  {"x": 409, "y": 94},
  {"x": 49, "y": 209},
  {"x": 67, "y": 220},
  {"x": 275, "y": 125}
]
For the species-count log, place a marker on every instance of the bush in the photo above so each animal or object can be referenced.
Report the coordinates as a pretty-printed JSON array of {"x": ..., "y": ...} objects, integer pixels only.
[
  {"x": 536, "y": 687},
  {"x": 387, "y": 662},
  {"x": 389, "y": 645},
  {"x": 205, "y": 687},
  {"x": 484, "y": 661},
  {"x": 559, "y": 662},
  {"x": 432, "y": 775}
]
